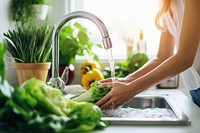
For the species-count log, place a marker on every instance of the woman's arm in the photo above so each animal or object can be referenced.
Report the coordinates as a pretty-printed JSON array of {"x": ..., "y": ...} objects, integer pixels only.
[{"x": 188, "y": 44}]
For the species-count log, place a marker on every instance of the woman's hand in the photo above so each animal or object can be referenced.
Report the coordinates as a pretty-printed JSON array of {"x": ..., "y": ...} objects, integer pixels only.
[{"x": 121, "y": 93}]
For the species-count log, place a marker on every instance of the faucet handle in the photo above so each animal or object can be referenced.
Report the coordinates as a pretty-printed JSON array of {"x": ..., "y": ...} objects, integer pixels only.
[
  {"x": 65, "y": 75},
  {"x": 57, "y": 82}
]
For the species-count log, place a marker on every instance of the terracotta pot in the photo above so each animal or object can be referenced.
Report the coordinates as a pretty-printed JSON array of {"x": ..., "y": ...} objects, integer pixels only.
[{"x": 26, "y": 71}]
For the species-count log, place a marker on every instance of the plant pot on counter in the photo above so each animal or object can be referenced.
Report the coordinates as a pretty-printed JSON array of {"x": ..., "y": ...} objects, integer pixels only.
[{"x": 26, "y": 71}]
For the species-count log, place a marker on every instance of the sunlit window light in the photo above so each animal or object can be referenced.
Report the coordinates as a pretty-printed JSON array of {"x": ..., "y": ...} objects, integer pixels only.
[{"x": 123, "y": 19}]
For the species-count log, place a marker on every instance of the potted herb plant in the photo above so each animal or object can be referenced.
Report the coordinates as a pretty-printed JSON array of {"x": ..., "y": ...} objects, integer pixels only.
[
  {"x": 74, "y": 41},
  {"x": 26, "y": 11},
  {"x": 30, "y": 47}
]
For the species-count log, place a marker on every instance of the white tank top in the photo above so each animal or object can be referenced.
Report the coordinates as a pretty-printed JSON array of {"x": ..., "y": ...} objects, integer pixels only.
[{"x": 191, "y": 77}]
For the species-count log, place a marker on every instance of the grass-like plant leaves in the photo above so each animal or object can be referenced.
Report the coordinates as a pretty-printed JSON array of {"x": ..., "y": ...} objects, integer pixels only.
[{"x": 29, "y": 45}]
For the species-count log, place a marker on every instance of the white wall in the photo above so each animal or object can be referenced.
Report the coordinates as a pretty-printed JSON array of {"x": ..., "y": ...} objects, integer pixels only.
[
  {"x": 6, "y": 23},
  {"x": 57, "y": 10},
  {"x": 5, "y": 16}
]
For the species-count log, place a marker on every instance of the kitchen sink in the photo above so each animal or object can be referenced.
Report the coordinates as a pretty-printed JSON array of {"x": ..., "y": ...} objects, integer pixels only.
[{"x": 147, "y": 110}]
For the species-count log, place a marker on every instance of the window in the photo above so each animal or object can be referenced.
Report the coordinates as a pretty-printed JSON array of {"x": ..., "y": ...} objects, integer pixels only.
[{"x": 123, "y": 19}]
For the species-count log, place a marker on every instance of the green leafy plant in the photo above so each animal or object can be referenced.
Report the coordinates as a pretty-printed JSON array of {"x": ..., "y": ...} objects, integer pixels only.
[
  {"x": 135, "y": 61},
  {"x": 74, "y": 40},
  {"x": 23, "y": 11},
  {"x": 29, "y": 45}
]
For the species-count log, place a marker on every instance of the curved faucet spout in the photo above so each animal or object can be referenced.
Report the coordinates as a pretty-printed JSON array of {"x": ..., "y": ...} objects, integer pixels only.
[{"x": 55, "y": 38}]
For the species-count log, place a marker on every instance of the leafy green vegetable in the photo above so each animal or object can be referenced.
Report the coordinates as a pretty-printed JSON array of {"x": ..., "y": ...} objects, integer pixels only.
[
  {"x": 136, "y": 60},
  {"x": 38, "y": 107},
  {"x": 93, "y": 94}
]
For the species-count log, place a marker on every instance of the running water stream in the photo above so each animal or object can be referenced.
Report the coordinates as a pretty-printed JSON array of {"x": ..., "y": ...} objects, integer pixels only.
[{"x": 112, "y": 64}]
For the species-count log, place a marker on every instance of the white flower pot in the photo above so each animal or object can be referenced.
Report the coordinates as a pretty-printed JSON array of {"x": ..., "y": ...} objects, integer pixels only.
[{"x": 41, "y": 11}]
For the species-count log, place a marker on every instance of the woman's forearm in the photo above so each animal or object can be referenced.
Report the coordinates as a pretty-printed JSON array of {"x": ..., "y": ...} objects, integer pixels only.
[{"x": 169, "y": 68}]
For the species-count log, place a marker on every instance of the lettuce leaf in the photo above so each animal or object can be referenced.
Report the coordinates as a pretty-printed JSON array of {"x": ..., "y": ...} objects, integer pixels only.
[
  {"x": 93, "y": 94},
  {"x": 36, "y": 104}
]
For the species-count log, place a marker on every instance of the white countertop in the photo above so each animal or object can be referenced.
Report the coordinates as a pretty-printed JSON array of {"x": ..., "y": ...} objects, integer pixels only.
[{"x": 186, "y": 105}]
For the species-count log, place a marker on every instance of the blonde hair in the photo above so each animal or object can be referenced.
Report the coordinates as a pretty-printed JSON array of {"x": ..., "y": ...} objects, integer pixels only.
[{"x": 159, "y": 21}]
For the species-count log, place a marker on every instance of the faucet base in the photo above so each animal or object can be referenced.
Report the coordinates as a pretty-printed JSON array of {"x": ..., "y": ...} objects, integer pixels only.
[{"x": 57, "y": 82}]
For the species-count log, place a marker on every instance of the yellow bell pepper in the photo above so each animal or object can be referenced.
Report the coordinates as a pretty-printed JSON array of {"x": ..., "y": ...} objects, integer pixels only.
[
  {"x": 89, "y": 65},
  {"x": 91, "y": 76}
]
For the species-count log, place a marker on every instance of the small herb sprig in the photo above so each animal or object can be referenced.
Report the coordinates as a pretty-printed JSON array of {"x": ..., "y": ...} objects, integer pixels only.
[{"x": 29, "y": 44}]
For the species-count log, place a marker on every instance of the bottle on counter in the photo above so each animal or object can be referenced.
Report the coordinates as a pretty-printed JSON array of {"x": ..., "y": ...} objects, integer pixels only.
[
  {"x": 141, "y": 44},
  {"x": 129, "y": 45}
]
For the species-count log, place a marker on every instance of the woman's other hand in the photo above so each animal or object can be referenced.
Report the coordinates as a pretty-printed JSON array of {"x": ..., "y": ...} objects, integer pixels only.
[{"x": 121, "y": 93}]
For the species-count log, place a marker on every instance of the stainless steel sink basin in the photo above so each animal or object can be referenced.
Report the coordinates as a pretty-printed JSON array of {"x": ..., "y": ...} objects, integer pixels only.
[{"x": 147, "y": 110}]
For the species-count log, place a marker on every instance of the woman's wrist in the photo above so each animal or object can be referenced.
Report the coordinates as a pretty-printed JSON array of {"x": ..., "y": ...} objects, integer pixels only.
[
  {"x": 136, "y": 87},
  {"x": 126, "y": 80}
]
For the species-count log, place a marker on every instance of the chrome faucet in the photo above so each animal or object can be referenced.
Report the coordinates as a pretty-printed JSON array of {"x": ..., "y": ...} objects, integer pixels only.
[{"x": 55, "y": 79}]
